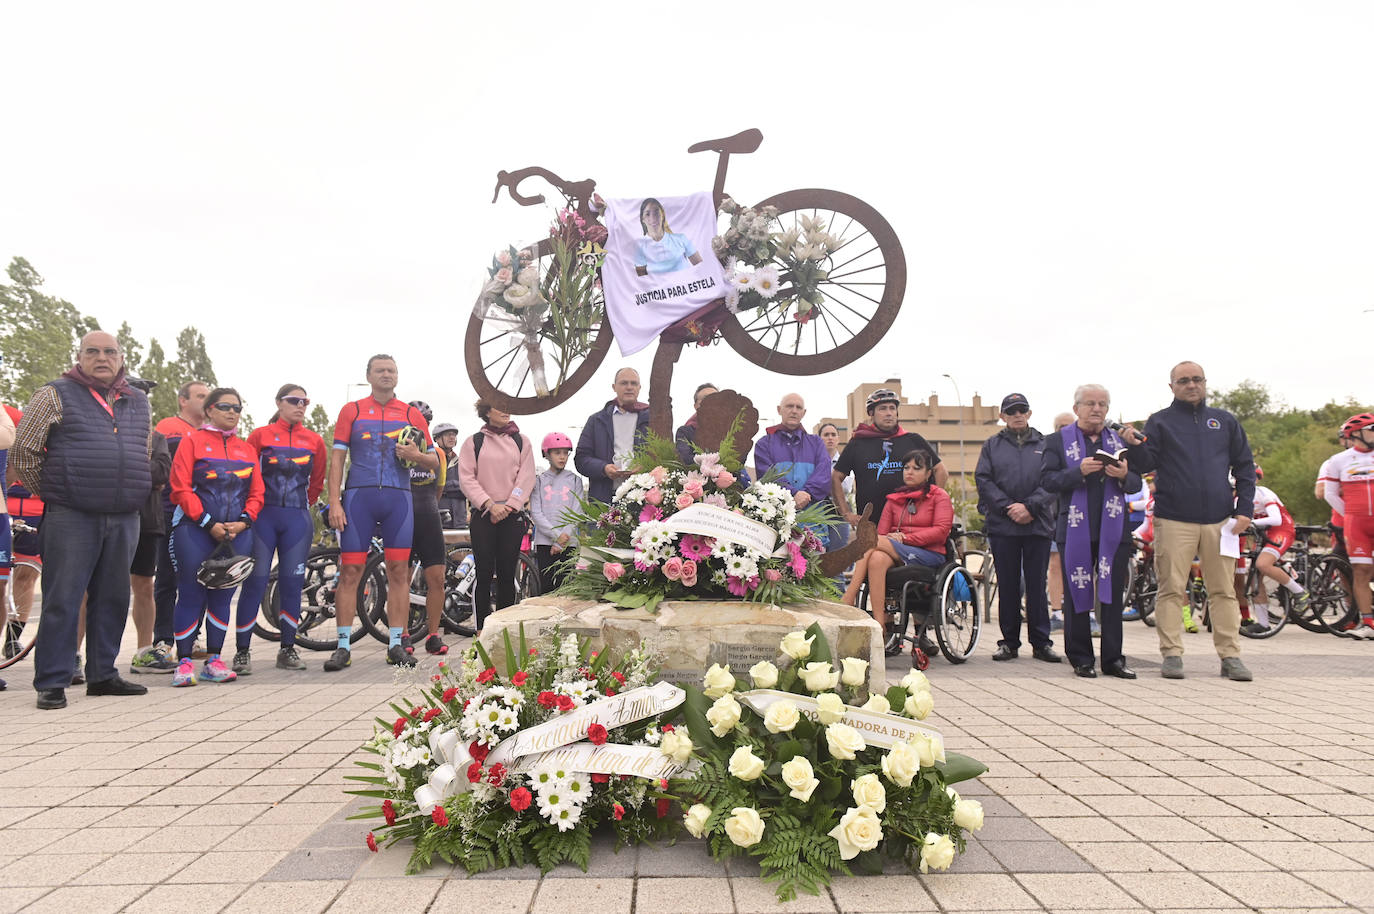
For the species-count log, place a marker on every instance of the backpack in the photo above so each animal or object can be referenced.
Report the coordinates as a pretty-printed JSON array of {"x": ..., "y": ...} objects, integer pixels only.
[{"x": 478, "y": 437}]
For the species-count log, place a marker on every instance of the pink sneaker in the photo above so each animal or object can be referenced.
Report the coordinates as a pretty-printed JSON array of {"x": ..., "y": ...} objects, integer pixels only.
[{"x": 215, "y": 671}]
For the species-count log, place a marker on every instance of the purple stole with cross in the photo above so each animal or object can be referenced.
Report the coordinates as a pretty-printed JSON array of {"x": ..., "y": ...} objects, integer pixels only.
[{"x": 1078, "y": 548}]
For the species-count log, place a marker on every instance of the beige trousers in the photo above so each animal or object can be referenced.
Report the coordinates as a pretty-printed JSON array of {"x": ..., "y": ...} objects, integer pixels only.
[{"x": 1176, "y": 543}]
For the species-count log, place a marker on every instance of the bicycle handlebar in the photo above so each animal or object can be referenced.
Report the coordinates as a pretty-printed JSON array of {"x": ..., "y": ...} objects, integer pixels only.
[{"x": 579, "y": 191}]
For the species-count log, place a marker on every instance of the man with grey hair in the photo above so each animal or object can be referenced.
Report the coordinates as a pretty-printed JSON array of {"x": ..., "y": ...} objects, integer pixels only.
[
  {"x": 1195, "y": 451},
  {"x": 83, "y": 446},
  {"x": 1082, "y": 466},
  {"x": 610, "y": 437}
]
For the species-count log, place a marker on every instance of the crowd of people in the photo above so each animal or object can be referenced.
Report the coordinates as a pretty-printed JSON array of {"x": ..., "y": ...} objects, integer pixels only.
[{"x": 183, "y": 514}]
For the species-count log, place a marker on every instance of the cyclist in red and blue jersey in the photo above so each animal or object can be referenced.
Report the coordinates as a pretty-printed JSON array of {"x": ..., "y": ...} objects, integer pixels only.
[
  {"x": 372, "y": 434},
  {"x": 218, "y": 491},
  {"x": 293, "y": 460}
]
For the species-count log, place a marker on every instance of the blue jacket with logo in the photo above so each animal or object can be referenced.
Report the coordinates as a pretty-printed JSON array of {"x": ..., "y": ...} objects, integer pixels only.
[
  {"x": 802, "y": 458},
  {"x": 1009, "y": 472},
  {"x": 1193, "y": 450}
]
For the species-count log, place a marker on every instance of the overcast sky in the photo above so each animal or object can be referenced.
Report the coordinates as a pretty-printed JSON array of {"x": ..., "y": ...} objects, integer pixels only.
[{"x": 1084, "y": 191}]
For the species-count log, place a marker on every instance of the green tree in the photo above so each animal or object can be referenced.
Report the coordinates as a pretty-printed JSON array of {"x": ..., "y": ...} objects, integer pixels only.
[
  {"x": 319, "y": 422},
  {"x": 38, "y": 333},
  {"x": 193, "y": 359},
  {"x": 155, "y": 368},
  {"x": 1247, "y": 400},
  {"x": 133, "y": 349}
]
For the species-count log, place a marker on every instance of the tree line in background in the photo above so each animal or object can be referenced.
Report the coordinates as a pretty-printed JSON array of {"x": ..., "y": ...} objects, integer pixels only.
[{"x": 39, "y": 334}]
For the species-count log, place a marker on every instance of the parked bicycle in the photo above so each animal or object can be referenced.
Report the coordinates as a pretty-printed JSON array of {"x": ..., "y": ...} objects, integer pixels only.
[
  {"x": 316, "y": 631},
  {"x": 21, "y": 627}
]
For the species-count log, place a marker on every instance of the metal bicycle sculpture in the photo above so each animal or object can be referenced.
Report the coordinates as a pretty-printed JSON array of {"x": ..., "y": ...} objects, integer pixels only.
[{"x": 853, "y": 288}]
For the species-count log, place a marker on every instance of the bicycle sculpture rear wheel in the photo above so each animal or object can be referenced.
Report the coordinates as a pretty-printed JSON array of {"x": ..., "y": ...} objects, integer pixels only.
[
  {"x": 862, "y": 290},
  {"x": 524, "y": 365}
]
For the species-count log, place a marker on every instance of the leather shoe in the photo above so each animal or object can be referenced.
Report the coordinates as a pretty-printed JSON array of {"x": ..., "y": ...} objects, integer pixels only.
[
  {"x": 52, "y": 699},
  {"x": 1046, "y": 654},
  {"x": 1119, "y": 670},
  {"x": 116, "y": 685},
  {"x": 1087, "y": 672},
  {"x": 1004, "y": 653}
]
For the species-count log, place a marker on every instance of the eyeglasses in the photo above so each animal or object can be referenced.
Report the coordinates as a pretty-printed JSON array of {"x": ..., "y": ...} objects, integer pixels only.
[
  {"x": 227, "y": 407},
  {"x": 1184, "y": 382},
  {"x": 1017, "y": 410},
  {"x": 93, "y": 352},
  {"x": 296, "y": 401}
]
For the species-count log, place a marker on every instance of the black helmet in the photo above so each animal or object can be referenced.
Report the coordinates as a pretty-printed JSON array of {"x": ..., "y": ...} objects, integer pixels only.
[
  {"x": 224, "y": 570},
  {"x": 881, "y": 395},
  {"x": 424, "y": 409}
]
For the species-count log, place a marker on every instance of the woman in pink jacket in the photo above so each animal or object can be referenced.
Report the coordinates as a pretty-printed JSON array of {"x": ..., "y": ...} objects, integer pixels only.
[
  {"x": 912, "y": 531},
  {"x": 496, "y": 471}
]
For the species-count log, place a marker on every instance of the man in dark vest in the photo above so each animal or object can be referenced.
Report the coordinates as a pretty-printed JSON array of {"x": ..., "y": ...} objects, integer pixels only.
[{"x": 83, "y": 447}]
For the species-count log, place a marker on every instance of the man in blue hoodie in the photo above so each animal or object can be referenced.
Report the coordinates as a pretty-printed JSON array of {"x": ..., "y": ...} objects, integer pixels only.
[
  {"x": 798, "y": 454},
  {"x": 609, "y": 438},
  {"x": 1195, "y": 450}
]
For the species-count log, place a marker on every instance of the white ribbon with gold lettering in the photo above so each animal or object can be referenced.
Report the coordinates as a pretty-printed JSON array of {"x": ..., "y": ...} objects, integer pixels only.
[
  {"x": 611, "y": 758},
  {"x": 616, "y": 711},
  {"x": 878, "y": 729}
]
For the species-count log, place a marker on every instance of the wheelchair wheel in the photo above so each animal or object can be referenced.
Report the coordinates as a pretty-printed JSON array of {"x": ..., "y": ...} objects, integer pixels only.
[
  {"x": 1279, "y": 600},
  {"x": 957, "y": 622}
]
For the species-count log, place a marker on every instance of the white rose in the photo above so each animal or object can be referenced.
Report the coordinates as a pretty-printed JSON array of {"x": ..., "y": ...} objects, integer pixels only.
[
  {"x": 854, "y": 671},
  {"x": 877, "y": 703},
  {"x": 915, "y": 681},
  {"x": 718, "y": 681},
  {"x": 723, "y": 715},
  {"x": 843, "y": 741},
  {"x": 695, "y": 819},
  {"x": 744, "y": 827},
  {"x": 745, "y": 765},
  {"x": 937, "y": 852},
  {"x": 968, "y": 814},
  {"x": 859, "y": 830},
  {"x": 931, "y": 751},
  {"x": 782, "y": 716},
  {"x": 819, "y": 677},
  {"x": 528, "y": 276},
  {"x": 800, "y": 777},
  {"x": 830, "y": 708},
  {"x": 764, "y": 674},
  {"x": 901, "y": 763},
  {"x": 796, "y": 645},
  {"x": 677, "y": 746},
  {"x": 918, "y": 705},
  {"x": 868, "y": 791}
]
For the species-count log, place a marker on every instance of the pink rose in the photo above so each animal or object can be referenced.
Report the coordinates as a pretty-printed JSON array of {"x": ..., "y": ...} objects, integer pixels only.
[
  {"x": 503, "y": 258},
  {"x": 689, "y": 573},
  {"x": 503, "y": 274},
  {"x": 693, "y": 489},
  {"x": 725, "y": 479},
  {"x": 654, "y": 496},
  {"x": 672, "y": 568},
  {"x": 659, "y": 474},
  {"x": 683, "y": 501},
  {"x": 773, "y": 575},
  {"x": 613, "y": 571}
]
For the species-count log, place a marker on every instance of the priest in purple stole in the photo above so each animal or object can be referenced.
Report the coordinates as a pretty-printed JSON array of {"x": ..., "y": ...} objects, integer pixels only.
[{"x": 1092, "y": 529}]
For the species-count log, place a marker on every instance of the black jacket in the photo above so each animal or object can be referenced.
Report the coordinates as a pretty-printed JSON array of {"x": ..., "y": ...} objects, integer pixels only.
[
  {"x": 1009, "y": 472},
  {"x": 151, "y": 518},
  {"x": 1057, "y": 477},
  {"x": 1192, "y": 450},
  {"x": 596, "y": 448}
]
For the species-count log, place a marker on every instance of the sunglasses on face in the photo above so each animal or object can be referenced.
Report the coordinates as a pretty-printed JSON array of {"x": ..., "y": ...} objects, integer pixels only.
[
  {"x": 1018, "y": 410},
  {"x": 296, "y": 401},
  {"x": 228, "y": 407}
]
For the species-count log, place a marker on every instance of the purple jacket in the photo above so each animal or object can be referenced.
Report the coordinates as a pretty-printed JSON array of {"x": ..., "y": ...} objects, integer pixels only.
[{"x": 802, "y": 458}]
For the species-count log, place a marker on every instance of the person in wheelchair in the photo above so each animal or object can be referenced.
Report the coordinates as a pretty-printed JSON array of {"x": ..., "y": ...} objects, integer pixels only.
[{"x": 914, "y": 526}]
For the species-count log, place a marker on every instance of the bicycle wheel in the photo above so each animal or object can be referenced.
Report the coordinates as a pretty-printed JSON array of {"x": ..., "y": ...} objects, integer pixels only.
[
  {"x": 19, "y": 630},
  {"x": 984, "y": 572},
  {"x": 1329, "y": 594},
  {"x": 1146, "y": 592},
  {"x": 372, "y": 608},
  {"x": 457, "y": 603},
  {"x": 509, "y": 364},
  {"x": 957, "y": 621},
  {"x": 865, "y": 279},
  {"x": 527, "y": 579},
  {"x": 1278, "y": 602},
  {"x": 316, "y": 631}
]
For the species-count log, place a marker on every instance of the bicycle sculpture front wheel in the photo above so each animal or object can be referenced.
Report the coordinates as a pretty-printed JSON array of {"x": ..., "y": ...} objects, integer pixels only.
[
  {"x": 838, "y": 292},
  {"x": 528, "y": 353}
]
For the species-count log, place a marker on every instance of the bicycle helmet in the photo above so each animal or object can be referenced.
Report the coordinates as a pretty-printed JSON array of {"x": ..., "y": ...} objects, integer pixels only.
[
  {"x": 555, "y": 440},
  {"x": 443, "y": 427},
  {"x": 881, "y": 395},
  {"x": 411, "y": 435},
  {"x": 224, "y": 570},
  {"x": 1259, "y": 471},
  {"x": 1355, "y": 423},
  {"x": 424, "y": 409}
]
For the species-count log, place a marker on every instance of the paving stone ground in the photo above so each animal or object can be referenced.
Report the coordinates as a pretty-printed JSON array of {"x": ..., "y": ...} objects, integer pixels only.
[{"x": 1103, "y": 795}]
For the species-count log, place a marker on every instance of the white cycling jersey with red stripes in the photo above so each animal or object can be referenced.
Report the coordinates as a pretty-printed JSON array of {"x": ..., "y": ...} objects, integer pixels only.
[
  {"x": 1269, "y": 510},
  {"x": 1350, "y": 482}
]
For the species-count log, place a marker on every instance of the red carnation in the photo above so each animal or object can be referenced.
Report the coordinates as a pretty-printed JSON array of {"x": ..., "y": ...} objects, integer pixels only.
[
  {"x": 487, "y": 675},
  {"x": 478, "y": 751},
  {"x": 443, "y": 664},
  {"x": 547, "y": 700},
  {"x": 593, "y": 655},
  {"x": 498, "y": 774},
  {"x": 416, "y": 711},
  {"x": 662, "y": 807},
  {"x": 439, "y": 816},
  {"x": 520, "y": 678},
  {"x": 668, "y": 728},
  {"x": 372, "y": 842},
  {"x": 601, "y": 778},
  {"x": 663, "y": 783},
  {"x": 534, "y": 653},
  {"x": 397, "y": 727},
  {"x": 520, "y": 799},
  {"x": 618, "y": 676},
  {"x": 620, "y": 812},
  {"x": 475, "y": 772},
  {"x": 597, "y": 734},
  {"x": 565, "y": 703},
  {"x": 389, "y": 812},
  {"x": 610, "y": 692},
  {"x": 434, "y": 678},
  {"x": 433, "y": 713},
  {"x": 449, "y": 695},
  {"x": 589, "y": 676},
  {"x": 466, "y": 702}
]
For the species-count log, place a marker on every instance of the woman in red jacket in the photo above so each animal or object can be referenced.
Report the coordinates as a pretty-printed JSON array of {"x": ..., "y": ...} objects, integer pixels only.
[{"x": 912, "y": 531}]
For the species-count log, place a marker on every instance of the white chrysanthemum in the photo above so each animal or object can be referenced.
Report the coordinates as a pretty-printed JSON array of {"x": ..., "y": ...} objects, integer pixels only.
[
  {"x": 551, "y": 801},
  {"x": 484, "y": 793},
  {"x": 766, "y": 281},
  {"x": 566, "y": 819},
  {"x": 741, "y": 566},
  {"x": 718, "y": 577},
  {"x": 652, "y": 736},
  {"x": 542, "y": 779},
  {"x": 507, "y": 721},
  {"x": 578, "y": 788},
  {"x": 743, "y": 280},
  {"x": 732, "y": 299},
  {"x": 721, "y": 550}
]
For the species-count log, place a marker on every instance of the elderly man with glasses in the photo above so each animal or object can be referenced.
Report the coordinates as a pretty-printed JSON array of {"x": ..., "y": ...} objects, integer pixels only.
[{"x": 1196, "y": 452}]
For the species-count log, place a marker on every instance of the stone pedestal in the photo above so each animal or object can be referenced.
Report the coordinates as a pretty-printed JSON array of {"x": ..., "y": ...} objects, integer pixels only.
[{"x": 692, "y": 635}]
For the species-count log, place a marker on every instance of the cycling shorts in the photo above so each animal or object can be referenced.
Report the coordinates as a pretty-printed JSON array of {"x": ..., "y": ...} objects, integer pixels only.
[
  {"x": 1359, "y": 538},
  {"x": 428, "y": 543},
  {"x": 6, "y": 541},
  {"x": 145, "y": 554},
  {"x": 1279, "y": 539},
  {"x": 1338, "y": 541},
  {"x": 372, "y": 512},
  {"x": 25, "y": 544}
]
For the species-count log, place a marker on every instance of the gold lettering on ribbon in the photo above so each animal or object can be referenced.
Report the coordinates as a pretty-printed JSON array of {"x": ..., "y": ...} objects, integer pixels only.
[
  {"x": 635, "y": 705},
  {"x": 882, "y": 730}
]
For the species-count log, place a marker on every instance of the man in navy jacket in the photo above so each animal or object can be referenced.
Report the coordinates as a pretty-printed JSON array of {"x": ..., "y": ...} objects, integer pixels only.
[
  {"x": 798, "y": 454},
  {"x": 610, "y": 436},
  {"x": 1195, "y": 450}
]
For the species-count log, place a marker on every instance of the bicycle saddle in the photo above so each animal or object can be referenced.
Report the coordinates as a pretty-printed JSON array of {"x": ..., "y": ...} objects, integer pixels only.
[{"x": 743, "y": 142}]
